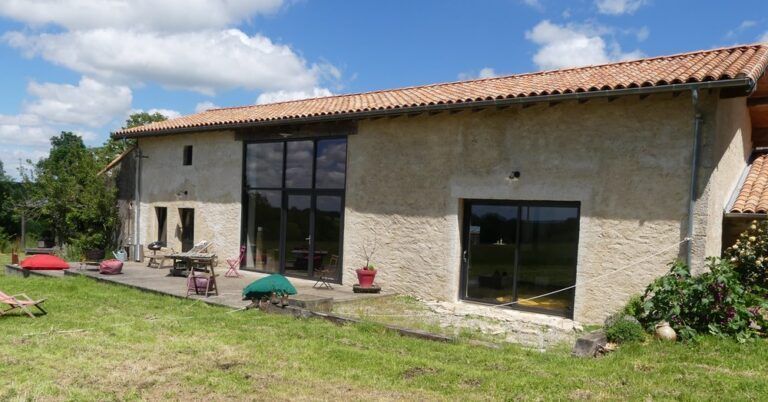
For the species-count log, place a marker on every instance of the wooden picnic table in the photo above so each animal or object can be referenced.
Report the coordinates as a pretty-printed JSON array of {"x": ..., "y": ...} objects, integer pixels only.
[{"x": 184, "y": 262}]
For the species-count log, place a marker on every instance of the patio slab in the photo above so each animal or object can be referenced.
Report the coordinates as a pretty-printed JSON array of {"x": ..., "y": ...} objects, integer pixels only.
[{"x": 155, "y": 280}]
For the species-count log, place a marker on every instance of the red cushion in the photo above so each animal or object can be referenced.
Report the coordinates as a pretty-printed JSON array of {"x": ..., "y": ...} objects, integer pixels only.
[{"x": 44, "y": 262}]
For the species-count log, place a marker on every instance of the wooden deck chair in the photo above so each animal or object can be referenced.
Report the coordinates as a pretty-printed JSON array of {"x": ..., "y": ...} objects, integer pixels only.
[
  {"x": 327, "y": 273},
  {"x": 200, "y": 247},
  {"x": 22, "y": 302},
  {"x": 234, "y": 264}
]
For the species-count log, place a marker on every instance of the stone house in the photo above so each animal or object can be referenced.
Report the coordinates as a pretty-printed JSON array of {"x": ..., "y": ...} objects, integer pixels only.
[{"x": 491, "y": 191}]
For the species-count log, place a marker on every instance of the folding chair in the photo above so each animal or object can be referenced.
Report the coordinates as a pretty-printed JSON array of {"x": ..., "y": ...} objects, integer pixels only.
[
  {"x": 22, "y": 302},
  {"x": 234, "y": 264},
  {"x": 327, "y": 273}
]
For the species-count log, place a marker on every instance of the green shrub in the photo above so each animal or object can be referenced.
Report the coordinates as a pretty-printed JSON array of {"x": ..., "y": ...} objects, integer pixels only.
[
  {"x": 622, "y": 328},
  {"x": 5, "y": 241},
  {"x": 749, "y": 256},
  {"x": 634, "y": 306},
  {"x": 714, "y": 302}
]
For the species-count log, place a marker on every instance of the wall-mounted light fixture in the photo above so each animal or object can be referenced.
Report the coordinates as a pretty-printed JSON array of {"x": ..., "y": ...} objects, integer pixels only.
[
  {"x": 514, "y": 176},
  {"x": 182, "y": 194}
]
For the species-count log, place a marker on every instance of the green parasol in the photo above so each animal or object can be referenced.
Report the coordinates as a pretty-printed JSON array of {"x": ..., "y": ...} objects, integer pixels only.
[{"x": 274, "y": 283}]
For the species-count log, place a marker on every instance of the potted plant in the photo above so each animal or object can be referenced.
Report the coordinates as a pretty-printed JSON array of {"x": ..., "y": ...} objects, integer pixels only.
[{"x": 367, "y": 273}]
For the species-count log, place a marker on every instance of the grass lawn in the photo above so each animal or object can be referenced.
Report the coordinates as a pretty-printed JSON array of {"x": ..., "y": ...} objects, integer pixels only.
[{"x": 105, "y": 342}]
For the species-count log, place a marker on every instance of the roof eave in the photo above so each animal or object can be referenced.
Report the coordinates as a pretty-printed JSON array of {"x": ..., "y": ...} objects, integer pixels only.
[{"x": 746, "y": 83}]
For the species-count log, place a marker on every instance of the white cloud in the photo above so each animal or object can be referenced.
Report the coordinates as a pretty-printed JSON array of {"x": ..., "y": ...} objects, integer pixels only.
[
  {"x": 90, "y": 103},
  {"x": 55, "y": 108},
  {"x": 24, "y": 130},
  {"x": 169, "y": 113},
  {"x": 203, "y": 106},
  {"x": 203, "y": 61},
  {"x": 764, "y": 38},
  {"x": 534, "y": 4},
  {"x": 19, "y": 156},
  {"x": 165, "y": 15},
  {"x": 574, "y": 45},
  {"x": 283, "y": 96},
  {"x": 485, "y": 72},
  {"x": 642, "y": 34},
  {"x": 618, "y": 7},
  {"x": 745, "y": 25}
]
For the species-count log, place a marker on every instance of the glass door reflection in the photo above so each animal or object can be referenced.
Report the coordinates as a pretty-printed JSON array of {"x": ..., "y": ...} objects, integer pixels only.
[
  {"x": 264, "y": 210},
  {"x": 298, "y": 238}
]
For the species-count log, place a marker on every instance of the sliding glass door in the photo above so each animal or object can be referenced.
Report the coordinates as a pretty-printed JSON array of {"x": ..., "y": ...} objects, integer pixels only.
[
  {"x": 515, "y": 251},
  {"x": 293, "y": 206}
]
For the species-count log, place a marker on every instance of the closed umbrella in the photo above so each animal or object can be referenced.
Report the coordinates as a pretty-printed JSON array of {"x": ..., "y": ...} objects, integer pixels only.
[{"x": 274, "y": 283}]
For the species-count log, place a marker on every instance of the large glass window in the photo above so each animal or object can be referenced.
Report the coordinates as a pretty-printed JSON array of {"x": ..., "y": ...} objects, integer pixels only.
[
  {"x": 295, "y": 196},
  {"x": 515, "y": 251},
  {"x": 264, "y": 165},
  {"x": 264, "y": 208}
]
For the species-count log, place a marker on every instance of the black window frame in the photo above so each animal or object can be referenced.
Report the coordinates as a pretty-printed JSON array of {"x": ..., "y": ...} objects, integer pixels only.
[
  {"x": 312, "y": 191},
  {"x": 187, "y": 156},
  {"x": 466, "y": 205},
  {"x": 162, "y": 225}
]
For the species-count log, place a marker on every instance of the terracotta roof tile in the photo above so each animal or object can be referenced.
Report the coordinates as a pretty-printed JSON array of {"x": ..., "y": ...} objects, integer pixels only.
[
  {"x": 709, "y": 65},
  {"x": 753, "y": 194}
]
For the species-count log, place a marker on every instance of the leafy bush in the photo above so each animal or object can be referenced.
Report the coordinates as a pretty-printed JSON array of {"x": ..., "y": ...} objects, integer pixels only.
[
  {"x": 714, "y": 302},
  {"x": 634, "y": 306},
  {"x": 750, "y": 257},
  {"x": 5, "y": 241},
  {"x": 622, "y": 328}
]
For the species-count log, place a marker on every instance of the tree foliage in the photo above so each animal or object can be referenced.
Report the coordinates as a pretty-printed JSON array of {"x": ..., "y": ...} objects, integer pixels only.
[
  {"x": 79, "y": 206},
  {"x": 143, "y": 118},
  {"x": 112, "y": 148}
]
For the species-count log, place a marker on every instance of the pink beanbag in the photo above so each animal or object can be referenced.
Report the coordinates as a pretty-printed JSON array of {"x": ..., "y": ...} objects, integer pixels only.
[
  {"x": 111, "y": 267},
  {"x": 197, "y": 284}
]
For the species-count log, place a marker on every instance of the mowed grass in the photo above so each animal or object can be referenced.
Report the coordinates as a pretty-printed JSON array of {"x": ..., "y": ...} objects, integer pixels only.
[{"x": 106, "y": 342}]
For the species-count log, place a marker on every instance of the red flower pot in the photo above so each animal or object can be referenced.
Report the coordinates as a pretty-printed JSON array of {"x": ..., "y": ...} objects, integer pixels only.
[{"x": 365, "y": 277}]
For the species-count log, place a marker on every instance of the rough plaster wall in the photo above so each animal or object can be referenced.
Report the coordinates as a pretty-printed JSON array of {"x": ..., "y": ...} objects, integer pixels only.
[
  {"x": 213, "y": 183},
  {"x": 731, "y": 149},
  {"x": 626, "y": 161}
]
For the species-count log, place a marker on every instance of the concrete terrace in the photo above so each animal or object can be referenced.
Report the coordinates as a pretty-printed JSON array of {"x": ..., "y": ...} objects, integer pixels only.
[{"x": 139, "y": 276}]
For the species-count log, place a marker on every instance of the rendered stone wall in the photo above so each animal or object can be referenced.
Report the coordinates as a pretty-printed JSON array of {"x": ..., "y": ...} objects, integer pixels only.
[
  {"x": 730, "y": 152},
  {"x": 626, "y": 161},
  {"x": 213, "y": 184}
]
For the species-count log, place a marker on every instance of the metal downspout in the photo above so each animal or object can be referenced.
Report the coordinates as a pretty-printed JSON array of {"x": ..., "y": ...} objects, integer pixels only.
[
  {"x": 697, "y": 120},
  {"x": 137, "y": 208}
]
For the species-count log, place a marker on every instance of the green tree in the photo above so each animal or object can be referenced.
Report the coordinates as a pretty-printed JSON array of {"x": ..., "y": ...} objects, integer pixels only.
[
  {"x": 79, "y": 205},
  {"x": 112, "y": 148},
  {"x": 143, "y": 118},
  {"x": 6, "y": 209}
]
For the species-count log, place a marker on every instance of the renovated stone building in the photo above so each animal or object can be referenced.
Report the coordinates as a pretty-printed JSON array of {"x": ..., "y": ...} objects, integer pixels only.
[{"x": 491, "y": 191}]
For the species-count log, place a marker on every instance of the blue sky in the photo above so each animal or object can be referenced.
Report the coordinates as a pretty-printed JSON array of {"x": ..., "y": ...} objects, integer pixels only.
[{"x": 84, "y": 66}]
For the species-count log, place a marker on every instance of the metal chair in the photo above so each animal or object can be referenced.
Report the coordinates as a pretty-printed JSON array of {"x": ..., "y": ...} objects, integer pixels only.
[{"x": 327, "y": 273}]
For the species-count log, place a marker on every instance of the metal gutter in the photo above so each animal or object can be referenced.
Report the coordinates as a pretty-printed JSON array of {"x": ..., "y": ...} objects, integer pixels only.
[
  {"x": 747, "y": 83},
  {"x": 137, "y": 207},
  {"x": 745, "y": 215},
  {"x": 697, "y": 121}
]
